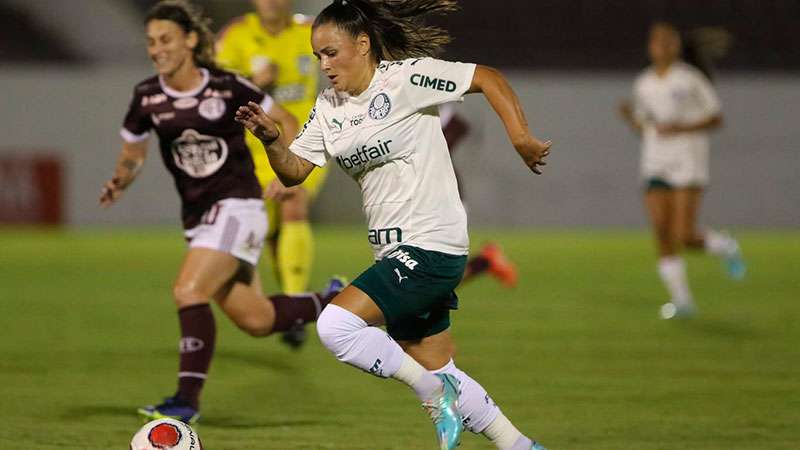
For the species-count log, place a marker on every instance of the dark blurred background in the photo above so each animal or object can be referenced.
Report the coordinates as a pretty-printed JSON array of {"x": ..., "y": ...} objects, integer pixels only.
[
  {"x": 560, "y": 34},
  {"x": 67, "y": 69}
]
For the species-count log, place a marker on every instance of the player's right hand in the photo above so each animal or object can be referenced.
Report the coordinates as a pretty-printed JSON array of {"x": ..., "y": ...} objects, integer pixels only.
[
  {"x": 110, "y": 192},
  {"x": 255, "y": 119},
  {"x": 533, "y": 152}
]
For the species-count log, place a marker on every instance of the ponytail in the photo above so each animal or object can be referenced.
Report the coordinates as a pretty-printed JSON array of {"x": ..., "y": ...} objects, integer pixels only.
[
  {"x": 703, "y": 46},
  {"x": 395, "y": 28},
  {"x": 191, "y": 19}
]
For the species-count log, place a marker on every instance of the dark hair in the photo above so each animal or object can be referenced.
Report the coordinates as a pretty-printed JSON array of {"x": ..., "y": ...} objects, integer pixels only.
[
  {"x": 190, "y": 18},
  {"x": 395, "y": 28},
  {"x": 701, "y": 47}
]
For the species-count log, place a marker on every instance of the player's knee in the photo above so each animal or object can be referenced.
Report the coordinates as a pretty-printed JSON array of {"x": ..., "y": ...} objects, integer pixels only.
[
  {"x": 253, "y": 327},
  {"x": 337, "y": 328},
  {"x": 186, "y": 294},
  {"x": 295, "y": 207}
]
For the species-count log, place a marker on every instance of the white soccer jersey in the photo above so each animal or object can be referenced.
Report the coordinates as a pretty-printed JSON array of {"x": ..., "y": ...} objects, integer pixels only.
[
  {"x": 683, "y": 96},
  {"x": 389, "y": 140}
]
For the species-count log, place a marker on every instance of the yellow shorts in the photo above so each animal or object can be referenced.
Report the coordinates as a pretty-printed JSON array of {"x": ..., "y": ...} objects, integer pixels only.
[{"x": 266, "y": 175}]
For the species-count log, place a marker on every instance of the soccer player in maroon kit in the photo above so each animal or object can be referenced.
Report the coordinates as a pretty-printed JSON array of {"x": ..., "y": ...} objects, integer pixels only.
[
  {"x": 491, "y": 258},
  {"x": 191, "y": 104}
]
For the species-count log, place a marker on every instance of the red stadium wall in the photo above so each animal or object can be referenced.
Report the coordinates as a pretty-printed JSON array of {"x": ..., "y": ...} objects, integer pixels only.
[{"x": 31, "y": 189}]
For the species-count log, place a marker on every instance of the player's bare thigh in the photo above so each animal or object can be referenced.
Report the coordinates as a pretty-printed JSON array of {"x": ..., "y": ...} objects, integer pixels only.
[
  {"x": 202, "y": 274},
  {"x": 686, "y": 206},
  {"x": 432, "y": 352},
  {"x": 294, "y": 206},
  {"x": 359, "y": 303},
  {"x": 659, "y": 203},
  {"x": 242, "y": 299}
]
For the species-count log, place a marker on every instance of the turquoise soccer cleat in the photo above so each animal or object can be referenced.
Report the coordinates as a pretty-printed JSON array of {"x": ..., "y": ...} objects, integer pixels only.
[
  {"x": 537, "y": 446},
  {"x": 734, "y": 262},
  {"x": 444, "y": 412}
]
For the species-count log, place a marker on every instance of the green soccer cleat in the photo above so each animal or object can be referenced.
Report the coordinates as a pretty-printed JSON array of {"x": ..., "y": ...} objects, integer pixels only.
[{"x": 444, "y": 412}]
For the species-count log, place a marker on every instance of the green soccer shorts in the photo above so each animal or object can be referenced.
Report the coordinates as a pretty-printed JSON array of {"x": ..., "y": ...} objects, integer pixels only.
[{"x": 414, "y": 288}]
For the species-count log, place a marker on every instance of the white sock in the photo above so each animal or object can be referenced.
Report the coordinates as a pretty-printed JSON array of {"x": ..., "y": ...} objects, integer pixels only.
[
  {"x": 505, "y": 435},
  {"x": 719, "y": 244},
  {"x": 673, "y": 273},
  {"x": 475, "y": 405},
  {"x": 370, "y": 349}
]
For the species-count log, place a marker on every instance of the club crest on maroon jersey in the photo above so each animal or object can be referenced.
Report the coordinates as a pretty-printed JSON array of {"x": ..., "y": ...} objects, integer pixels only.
[
  {"x": 199, "y": 155},
  {"x": 212, "y": 108}
]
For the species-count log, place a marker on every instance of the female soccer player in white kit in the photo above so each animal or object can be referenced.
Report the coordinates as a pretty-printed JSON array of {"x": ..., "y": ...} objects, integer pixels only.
[
  {"x": 675, "y": 108},
  {"x": 379, "y": 122}
]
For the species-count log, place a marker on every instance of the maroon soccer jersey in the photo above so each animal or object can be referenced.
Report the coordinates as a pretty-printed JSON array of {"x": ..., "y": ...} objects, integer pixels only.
[{"x": 201, "y": 143}]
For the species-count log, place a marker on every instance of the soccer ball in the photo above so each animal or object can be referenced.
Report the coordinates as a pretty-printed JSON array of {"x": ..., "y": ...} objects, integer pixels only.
[{"x": 166, "y": 434}]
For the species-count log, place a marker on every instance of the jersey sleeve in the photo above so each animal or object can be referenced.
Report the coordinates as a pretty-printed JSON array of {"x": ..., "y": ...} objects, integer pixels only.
[
  {"x": 706, "y": 95},
  {"x": 310, "y": 143},
  {"x": 430, "y": 81},
  {"x": 245, "y": 91},
  {"x": 137, "y": 123}
]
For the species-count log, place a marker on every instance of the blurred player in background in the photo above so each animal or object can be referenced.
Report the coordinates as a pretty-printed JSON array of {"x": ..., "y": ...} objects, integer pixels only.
[
  {"x": 272, "y": 47},
  {"x": 191, "y": 104},
  {"x": 373, "y": 52},
  {"x": 675, "y": 108},
  {"x": 491, "y": 258}
]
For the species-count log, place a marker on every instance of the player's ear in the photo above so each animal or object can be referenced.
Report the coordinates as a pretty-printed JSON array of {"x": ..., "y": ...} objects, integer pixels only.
[
  {"x": 363, "y": 44},
  {"x": 192, "y": 40}
]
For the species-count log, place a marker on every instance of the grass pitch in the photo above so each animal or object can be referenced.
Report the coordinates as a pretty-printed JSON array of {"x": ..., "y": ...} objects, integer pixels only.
[{"x": 576, "y": 355}]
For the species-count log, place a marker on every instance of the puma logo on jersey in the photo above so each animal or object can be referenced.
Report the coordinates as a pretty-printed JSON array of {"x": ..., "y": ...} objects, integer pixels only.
[
  {"x": 404, "y": 257},
  {"x": 337, "y": 123},
  {"x": 439, "y": 84},
  {"x": 400, "y": 276}
]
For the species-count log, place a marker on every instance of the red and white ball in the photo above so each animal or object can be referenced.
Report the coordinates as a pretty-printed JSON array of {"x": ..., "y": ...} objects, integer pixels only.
[{"x": 166, "y": 434}]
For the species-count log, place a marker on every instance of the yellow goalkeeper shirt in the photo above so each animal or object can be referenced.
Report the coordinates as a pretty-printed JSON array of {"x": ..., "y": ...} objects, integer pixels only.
[{"x": 245, "y": 46}]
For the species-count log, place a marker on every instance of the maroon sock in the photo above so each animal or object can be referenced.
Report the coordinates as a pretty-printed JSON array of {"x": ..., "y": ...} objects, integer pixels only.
[
  {"x": 198, "y": 334},
  {"x": 476, "y": 266},
  {"x": 301, "y": 308}
]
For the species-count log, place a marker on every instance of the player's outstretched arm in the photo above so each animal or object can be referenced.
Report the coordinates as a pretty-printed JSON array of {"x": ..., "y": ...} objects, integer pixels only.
[
  {"x": 501, "y": 96},
  {"x": 290, "y": 168},
  {"x": 131, "y": 159}
]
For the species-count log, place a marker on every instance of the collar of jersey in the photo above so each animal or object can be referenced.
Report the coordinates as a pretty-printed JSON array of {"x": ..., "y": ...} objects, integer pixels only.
[
  {"x": 179, "y": 94},
  {"x": 365, "y": 94}
]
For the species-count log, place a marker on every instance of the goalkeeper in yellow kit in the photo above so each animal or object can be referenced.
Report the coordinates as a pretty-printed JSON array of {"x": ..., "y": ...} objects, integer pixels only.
[{"x": 272, "y": 47}]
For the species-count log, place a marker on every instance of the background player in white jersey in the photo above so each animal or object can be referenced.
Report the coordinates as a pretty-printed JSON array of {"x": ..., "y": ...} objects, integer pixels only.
[
  {"x": 190, "y": 105},
  {"x": 379, "y": 122},
  {"x": 675, "y": 107}
]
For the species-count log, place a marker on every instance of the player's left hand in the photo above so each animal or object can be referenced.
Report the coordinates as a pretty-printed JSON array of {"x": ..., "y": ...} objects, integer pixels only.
[
  {"x": 278, "y": 192},
  {"x": 533, "y": 152},
  {"x": 256, "y": 120}
]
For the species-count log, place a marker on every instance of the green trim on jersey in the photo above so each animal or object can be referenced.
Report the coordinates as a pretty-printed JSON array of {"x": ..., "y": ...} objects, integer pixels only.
[{"x": 414, "y": 288}]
